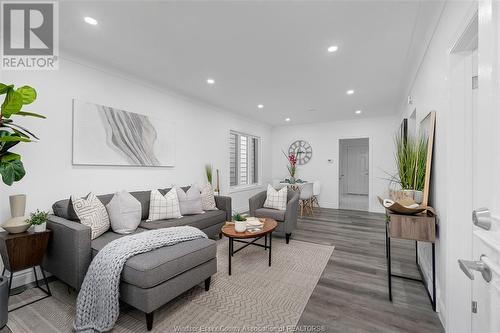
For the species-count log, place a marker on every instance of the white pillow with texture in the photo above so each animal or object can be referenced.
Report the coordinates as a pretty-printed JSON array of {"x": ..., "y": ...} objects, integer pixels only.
[
  {"x": 92, "y": 213},
  {"x": 207, "y": 197},
  {"x": 124, "y": 212},
  {"x": 276, "y": 199},
  {"x": 162, "y": 207},
  {"x": 190, "y": 201}
]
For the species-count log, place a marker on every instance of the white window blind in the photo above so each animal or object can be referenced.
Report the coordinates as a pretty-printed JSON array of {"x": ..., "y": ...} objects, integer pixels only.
[{"x": 243, "y": 159}]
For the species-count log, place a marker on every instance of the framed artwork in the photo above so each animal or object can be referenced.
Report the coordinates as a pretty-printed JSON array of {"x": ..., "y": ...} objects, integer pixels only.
[{"x": 103, "y": 135}]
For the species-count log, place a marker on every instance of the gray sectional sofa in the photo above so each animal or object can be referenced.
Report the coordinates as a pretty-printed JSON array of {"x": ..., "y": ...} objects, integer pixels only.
[{"x": 151, "y": 279}]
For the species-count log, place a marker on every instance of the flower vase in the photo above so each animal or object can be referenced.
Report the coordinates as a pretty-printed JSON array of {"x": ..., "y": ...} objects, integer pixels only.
[{"x": 17, "y": 223}]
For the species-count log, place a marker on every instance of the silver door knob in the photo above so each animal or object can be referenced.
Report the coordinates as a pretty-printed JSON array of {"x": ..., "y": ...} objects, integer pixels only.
[
  {"x": 468, "y": 266},
  {"x": 481, "y": 217}
]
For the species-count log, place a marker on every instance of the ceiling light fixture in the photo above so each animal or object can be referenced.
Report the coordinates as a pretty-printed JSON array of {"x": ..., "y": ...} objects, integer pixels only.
[
  {"x": 287, "y": 119},
  {"x": 357, "y": 112},
  {"x": 260, "y": 106},
  {"x": 349, "y": 92},
  {"x": 210, "y": 81},
  {"x": 332, "y": 48},
  {"x": 90, "y": 20}
]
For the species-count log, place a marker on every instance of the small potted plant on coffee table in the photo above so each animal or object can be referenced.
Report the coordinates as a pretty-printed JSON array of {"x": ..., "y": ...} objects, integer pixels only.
[
  {"x": 239, "y": 222},
  {"x": 38, "y": 219}
]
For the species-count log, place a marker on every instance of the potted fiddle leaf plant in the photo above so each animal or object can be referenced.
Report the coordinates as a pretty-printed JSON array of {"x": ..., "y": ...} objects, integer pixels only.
[{"x": 11, "y": 132}]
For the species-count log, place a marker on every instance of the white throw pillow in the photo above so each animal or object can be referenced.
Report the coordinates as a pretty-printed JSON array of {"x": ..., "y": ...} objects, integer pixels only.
[
  {"x": 162, "y": 207},
  {"x": 207, "y": 197},
  {"x": 92, "y": 213},
  {"x": 190, "y": 201},
  {"x": 124, "y": 212},
  {"x": 276, "y": 199}
]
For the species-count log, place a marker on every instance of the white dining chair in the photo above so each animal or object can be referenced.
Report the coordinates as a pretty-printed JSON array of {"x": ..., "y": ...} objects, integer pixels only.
[
  {"x": 306, "y": 197},
  {"x": 316, "y": 192}
]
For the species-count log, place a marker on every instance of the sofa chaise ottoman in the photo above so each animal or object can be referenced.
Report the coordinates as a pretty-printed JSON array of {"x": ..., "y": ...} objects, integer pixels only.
[{"x": 149, "y": 280}]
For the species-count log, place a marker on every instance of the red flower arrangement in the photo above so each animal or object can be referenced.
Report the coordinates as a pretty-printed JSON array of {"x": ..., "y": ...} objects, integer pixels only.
[{"x": 292, "y": 164}]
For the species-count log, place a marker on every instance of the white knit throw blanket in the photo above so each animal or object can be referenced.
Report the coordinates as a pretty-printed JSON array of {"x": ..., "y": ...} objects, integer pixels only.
[{"x": 97, "y": 306}]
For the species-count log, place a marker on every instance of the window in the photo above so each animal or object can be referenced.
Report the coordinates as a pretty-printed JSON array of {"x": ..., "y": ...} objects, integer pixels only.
[{"x": 243, "y": 159}]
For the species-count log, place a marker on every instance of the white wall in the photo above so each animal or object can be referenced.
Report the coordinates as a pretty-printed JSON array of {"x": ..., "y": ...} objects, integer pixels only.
[
  {"x": 431, "y": 91},
  {"x": 324, "y": 139},
  {"x": 202, "y": 134}
]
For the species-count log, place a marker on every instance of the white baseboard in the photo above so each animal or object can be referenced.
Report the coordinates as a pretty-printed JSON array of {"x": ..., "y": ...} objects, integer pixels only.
[
  {"x": 326, "y": 204},
  {"x": 441, "y": 310}
]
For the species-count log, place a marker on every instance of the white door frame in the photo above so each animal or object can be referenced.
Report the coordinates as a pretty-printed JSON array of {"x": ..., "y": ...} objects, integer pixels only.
[{"x": 458, "y": 231}]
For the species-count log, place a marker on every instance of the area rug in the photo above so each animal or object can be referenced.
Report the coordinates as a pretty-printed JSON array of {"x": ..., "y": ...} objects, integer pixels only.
[{"x": 255, "y": 297}]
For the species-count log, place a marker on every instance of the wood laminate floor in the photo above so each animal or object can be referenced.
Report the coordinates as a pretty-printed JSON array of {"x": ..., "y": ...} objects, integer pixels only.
[{"x": 351, "y": 295}]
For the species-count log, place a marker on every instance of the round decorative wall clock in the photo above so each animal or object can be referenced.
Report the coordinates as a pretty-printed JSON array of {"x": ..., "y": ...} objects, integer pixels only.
[{"x": 302, "y": 150}]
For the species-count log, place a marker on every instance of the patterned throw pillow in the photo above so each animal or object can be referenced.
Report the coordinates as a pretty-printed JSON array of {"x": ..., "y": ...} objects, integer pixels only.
[
  {"x": 190, "y": 201},
  {"x": 276, "y": 199},
  {"x": 207, "y": 197},
  {"x": 162, "y": 207},
  {"x": 92, "y": 213}
]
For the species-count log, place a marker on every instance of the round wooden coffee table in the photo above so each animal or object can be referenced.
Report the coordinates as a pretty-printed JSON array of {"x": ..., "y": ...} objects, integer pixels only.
[{"x": 234, "y": 236}]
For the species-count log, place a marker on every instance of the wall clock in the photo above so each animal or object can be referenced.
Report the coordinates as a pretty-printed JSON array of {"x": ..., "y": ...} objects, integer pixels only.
[{"x": 303, "y": 150}]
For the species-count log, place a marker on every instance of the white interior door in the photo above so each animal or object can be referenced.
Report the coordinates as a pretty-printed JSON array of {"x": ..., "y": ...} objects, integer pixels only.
[{"x": 357, "y": 169}]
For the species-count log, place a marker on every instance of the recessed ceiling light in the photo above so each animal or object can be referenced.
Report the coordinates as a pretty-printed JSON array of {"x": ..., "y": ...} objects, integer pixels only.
[
  {"x": 332, "y": 48},
  {"x": 90, "y": 20},
  {"x": 260, "y": 106},
  {"x": 210, "y": 81},
  {"x": 349, "y": 92},
  {"x": 357, "y": 112},
  {"x": 287, "y": 119}
]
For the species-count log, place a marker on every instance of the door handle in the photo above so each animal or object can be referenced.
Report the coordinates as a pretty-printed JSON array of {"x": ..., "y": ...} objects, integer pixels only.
[
  {"x": 468, "y": 266},
  {"x": 481, "y": 217}
]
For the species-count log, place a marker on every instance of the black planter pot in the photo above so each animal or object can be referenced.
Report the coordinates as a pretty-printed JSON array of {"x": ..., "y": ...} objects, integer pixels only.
[{"x": 4, "y": 301}]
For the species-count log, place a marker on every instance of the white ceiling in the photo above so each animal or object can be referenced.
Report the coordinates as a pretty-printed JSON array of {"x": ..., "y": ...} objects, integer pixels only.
[{"x": 271, "y": 53}]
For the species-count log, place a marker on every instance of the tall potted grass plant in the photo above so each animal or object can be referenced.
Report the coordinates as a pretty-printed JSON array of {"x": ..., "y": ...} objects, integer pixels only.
[{"x": 411, "y": 158}]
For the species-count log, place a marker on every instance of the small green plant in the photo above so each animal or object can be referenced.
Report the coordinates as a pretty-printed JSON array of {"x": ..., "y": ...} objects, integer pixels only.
[
  {"x": 11, "y": 133},
  {"x": 209, "y": 172},
  {"x": 37, "y": 218},
  {"x": 239, "y": 217}
]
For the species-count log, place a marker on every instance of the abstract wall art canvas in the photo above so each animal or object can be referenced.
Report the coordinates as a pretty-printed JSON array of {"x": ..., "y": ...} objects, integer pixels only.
[{"x": 104, "y": 135}]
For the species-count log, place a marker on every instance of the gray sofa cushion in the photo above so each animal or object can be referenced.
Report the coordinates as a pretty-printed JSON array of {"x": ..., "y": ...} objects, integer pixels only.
[
  {"x": 278, "y": 215},
  {"x": 97, "y": 244},
  {"x": 200, "y": 221},
  {"x": 149, "y": 269}
]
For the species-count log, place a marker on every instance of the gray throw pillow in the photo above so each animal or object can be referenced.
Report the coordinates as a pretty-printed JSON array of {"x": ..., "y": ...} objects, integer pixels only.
[
  {"x": 190, "y": 201},
  {"x": 124, "y": 212}
]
